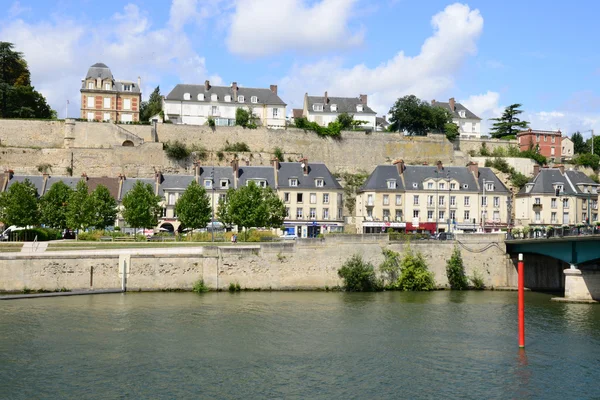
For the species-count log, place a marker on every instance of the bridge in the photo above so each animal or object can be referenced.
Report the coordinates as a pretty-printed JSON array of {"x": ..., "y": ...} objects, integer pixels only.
[{"x": 581, "y": 253}]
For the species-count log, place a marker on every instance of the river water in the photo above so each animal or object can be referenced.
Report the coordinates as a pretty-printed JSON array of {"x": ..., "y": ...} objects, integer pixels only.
[{"x": 298, "y": 345}]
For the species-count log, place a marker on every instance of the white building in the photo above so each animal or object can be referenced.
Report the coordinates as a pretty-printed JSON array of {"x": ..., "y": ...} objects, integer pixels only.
[
  {"x": 194, "y": 104},
  {"x": 324, "y": 110},
  {"x": 469, "y": 124}
]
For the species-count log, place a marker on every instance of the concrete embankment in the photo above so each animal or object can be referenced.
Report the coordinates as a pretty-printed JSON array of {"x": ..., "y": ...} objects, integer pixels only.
[{"x": 304, "y": 264}]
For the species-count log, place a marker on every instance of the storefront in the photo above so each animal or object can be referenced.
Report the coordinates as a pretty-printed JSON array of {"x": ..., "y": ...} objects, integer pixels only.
[
  {"x": 422, "y": 227},
  {"x": 380, "y": 227},
  {"x": 311, "y": 229}
]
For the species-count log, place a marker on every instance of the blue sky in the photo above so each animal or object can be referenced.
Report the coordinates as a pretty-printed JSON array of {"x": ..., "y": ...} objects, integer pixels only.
[{"x": 486, "y": 54}]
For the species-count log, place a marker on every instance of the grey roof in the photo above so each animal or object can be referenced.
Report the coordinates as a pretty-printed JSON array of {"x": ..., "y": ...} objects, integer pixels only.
[
  {"x": 380, "y": 176},
  {"x": 70, "y": 181},
  {"x": 457, "y": 107},
  {"x": 289, "y": 170},
  {"x": 381, "y": 121},
  {"x": 544, "y": 182},
  {"x": 344, "y": 104},
  {"x": 129, "y": 182},
  {"x": 219, "y": 174},
  {"x": 175, "y": 182},
  {"x": 37, "y": 180},
  {"x": 249, "y": 172},
  {"x": 99, "y": 70},
  {"x": 264, "y": 96}
]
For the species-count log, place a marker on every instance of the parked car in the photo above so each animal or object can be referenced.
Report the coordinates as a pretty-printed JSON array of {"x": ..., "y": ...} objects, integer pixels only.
[
  {"x": 5, "y": 236},
  {"x": 288, "y": 236},
  {"x": 445, "y": 236}
]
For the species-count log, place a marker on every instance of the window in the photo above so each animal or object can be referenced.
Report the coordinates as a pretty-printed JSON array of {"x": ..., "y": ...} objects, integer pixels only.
[
  {"x": 545, "y": 138},
  {"x": 553, "y": 139},
  {"x": 386, "y": 199},
  {"x": 452, "y": 200},
  {"x": 262, "y": 184},
  {"x": 489, "y": 187},
  {"x": 441, "y": 215},
  {"x": 126, "y": 104},
  {"x": 227, "y": 98},
  {"x": 430, "y": 200},
  {"x": 224, "y": 184},
  {"x": 370, "y": 213},
  {"x": 90, "y": 116},
  {"x": 91, "y": 85},
  {"x": 391, "y": 184},
  {"x": 415, "y": 185},
  {"x": 398, "y": 200},
  {"x": 293, "y": 182},
  {"x": 127, "y": 88},
  {"x": 537, "y": 216},
  {"x": 287, "y": 212},
  {"x": 276, "y": 113},
  {"x": 317, "y": 107},
  {"x": 359, "y": 107},
  {"x": 106, "y": 116},
  {"x": 538, "y": 200},
  {"x": 466, "y": 216},
  {"x": 467, "y": 201},
  {"x": 465, "y": 186},
  {"x": 430, "y": 185},
  {"x": 386, "y": 215},
  {"x": 496, "y": 201},
  {"x": 171, "y": 199},
  {"x": 584, "y": 217},
  {"x": 453, "y": 215},
  {"x": 107, "y": 86},
  {"x": 164, "y": 213},
  {"x": 560, "y": 188},
  {"x": 313, "y": 198},
  {"x": 416, "y": 200},
  {"x": 496, "y": 216},
  {"x": 106, "y": 103},
  {"x": 326, "y": 213},
  {"x": 187, "y": 96},
  {"x": 484, "y": 201},
  {"x": 214, "y": 97},
  {"x": 340, "y": 213},
  {"x": 339, "y": 199},
  {"x": 416, "y": 214},
  {"x": 240, "y": 99},
  {"x": 254, "y": 99},
  {"x": 453, "y": 186},
  {"x": 214, "y": 111},
  {"x": 462, "y": 114},
  {"x": 222, "y": 198},
  {"x": 441, "y": 200},
  {"x": 286, "y": 197},
  {"x": 325, "y": 198},
  {"x": 313, "y": 213},
  {"x": 334, "y": 107},
  {"x": 201, "y": 97},
  {"x": 553, "y": 218},
  {"x": 537, "y": 138},
  {"x": 90, "y": 102},
  {"x": 553, "y": 203},
  {"x": 299, "y": 198},
  {"x": 208, "y": 184},
  {"x": 319, "y": 183},
  {"x": 370, "y": 200},
  {"x": 398, "y": 215},
  {"x": 566, "y": 218},
  {"x": 430, "y": 215},
  {"x": 565, "y": 203},
  {"x": 299, "y": 213},
  {"x": 442, "y": 186}
]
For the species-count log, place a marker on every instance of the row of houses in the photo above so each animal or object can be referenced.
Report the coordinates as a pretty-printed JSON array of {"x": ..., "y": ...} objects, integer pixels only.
[
  {"x": 104, "y": 98},
  {"x": 397, "y": 197}
]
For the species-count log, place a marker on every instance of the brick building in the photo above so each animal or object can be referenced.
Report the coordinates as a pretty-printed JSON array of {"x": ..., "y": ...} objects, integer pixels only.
[
  {"x": 105, "y": 99},
  {"x": 549, "y": 142}
]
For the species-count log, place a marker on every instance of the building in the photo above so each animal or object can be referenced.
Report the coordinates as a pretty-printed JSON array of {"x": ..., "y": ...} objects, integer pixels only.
[
  {"x": 105, "y": 99},
  {"x": 382, "y": 124},
  {"x": 325, "y": 109},
  {"x": 469, "y": 124},
  {"x": 568, "y": 149},
  {"x": 557, "y": 197},
  {"x": 548, "y": 142},
  {"x": 195, "y": 104},
  {"x": 423, "y": 198}
]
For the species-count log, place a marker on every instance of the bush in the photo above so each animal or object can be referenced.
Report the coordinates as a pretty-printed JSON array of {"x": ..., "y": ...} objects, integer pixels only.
[
  {"x": 200, "y": 151},
  {"x": 401, "y": 236},
  {"x": 220, "y": 155},
  {"x": 211, "y": 122},
  {"x": 390, "y": 269},
  {"x": 587, "y": 160},
  {"x": 242, "y": 117},
  {"x": 29, "y": 235},
  {"x": 278, "y": 154},
  {"x": 415, "y": 274},
  {"x": 477, "y": 280},
  {"x": 234, "y": 147},
  {"x": 176, "y": 150},
  {"x": 253, "y": 235},
  {"x": 499, "y": 152},
  {"x": 234, "y": 287},
  {"x": 358, "y": 275},
  {"x": 200, "y": 287},
  {"x": 455, "y": 271},
  {"x": 500, "y": 164},
  {"x": 334, "y": 129},
  {"x": 484, "y": 152}
]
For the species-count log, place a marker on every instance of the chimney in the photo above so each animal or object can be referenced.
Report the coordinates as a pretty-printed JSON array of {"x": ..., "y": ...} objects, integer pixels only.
[
  {"x": 45, "y": 176},
  {"x": 474, "y": 168},
  {"x": 536, "y": 170},
  {"x": 399, "y": 166},
  {"x": 120, "y": 192},
  {"x": 247, "y": 162},
  {"x": 440, "y": 166},
  {"x": 158, "y": 179},
  {"x": 234, "y": 88},
  {"x": 363, "y": 99},
  {"x": 8, "y": 174},
  {"x": 561, "y": 168},
  {"x": 140, "y": 83},
  {"x": 305, "y": 167},
  {"x": 452, "y": 104},
  {"x": 197, "y": 171},
  {"x": 206, "y": 84},
  {"x": 275, "y": 163},
  {"x": 235, "y": 166},
  {"x": 273, "y": 89},
  {"x": 84, "y": 176},
  {"x": 326, "y": 98},
  {"x": 425, "y": 163}
]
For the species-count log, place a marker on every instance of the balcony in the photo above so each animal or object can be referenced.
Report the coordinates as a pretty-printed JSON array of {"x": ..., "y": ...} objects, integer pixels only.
[{"x": 537, "y": 206}]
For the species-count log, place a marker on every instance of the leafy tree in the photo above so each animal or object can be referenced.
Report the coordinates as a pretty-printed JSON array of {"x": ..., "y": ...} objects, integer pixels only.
[
  {"x": 358, "y": 275},
  {"x": 81, "y": 208},
  {"x": 20, "y": 204},
  {"x": 106, "y": 207},
  {"x": 193, "y": 207},
  {"x": 153, "y": 106},
  {"x": 278, "y": 153},
  {"x": 579, "y": 145},
  {"x": 53, "y": 206},
  {"x": 509, "y": 123},
  {"x": 141, "y": 206},
  {"x": 251, "y": 206},
  {"x": 390, "y": 268},
  {"x": 451, "y": 131},
  {"x": 176, "y": 150},
  {"x": 242, "y": 117},
  {"x": 412, "y": 115},
  {"x": 455, "y": 271},
  {"x": 415, "y": 274},
  {"x": 588, "y": 160},
  {"x": 345, "y": 120}
]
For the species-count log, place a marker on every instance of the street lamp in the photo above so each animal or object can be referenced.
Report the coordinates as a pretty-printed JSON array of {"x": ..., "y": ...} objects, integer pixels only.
[
  {"x": 212, "y": 220},
  {"x": 484, "y": 204},
  {"x": 448, "y": 182}
]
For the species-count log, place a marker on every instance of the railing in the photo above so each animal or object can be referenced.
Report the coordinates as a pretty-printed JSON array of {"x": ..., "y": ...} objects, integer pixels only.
[{"x": 542, "y": 233}]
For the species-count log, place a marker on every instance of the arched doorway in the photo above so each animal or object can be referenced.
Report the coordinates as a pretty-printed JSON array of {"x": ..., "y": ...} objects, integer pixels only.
[
  {"x": 167, "y": 227},
  {"x": 128, "y": 143}
]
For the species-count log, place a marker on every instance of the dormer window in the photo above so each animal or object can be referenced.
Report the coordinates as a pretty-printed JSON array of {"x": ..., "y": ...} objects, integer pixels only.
[
  {"x": 359, "y": 107},
  {"x": 90, "y": 85},
  {"x": 127, "y": 88},
  {"x": 224, "y": 184},
  {"x": 528, "y": 187},
  {"x": 254, "y": 99},
  {"x": 489, "y": 187},
  {"x": 430, "y": 185},
  {"x": 107, "y": 86},
  {"x": 240, "y": 99},
  {"x": 462, "y": 114},
  {"x": 442, "y": 185},
  {"x": 317, "y": 107},
  {"x": 391, "y": 184},
  {"x": 228, "y": 99},
  {"x": 294, "y": 182},
  {"x": 201, "y": 97},
  {"x": 334, "y": 107},
  {"x": 187, "y": 96},
  {"x": 319, "y": 183},
  {"x": 261, "y": 183},
  {"x": 214, "y": 97},
  {"x": 208, "y": 184},
  {"x": 453, "y": 186}
]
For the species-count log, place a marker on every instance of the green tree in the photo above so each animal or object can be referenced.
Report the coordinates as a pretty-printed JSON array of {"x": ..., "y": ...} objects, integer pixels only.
[
  {"x": 579, "y": 145},
  {"x": 345, "y": 120},
  {"x": 455, "y": 271},
  {"x": 390, "y": 268},
  {"x": 53, "y": 206},
  {"x": 588, "y": 160},
  {"x": 415, "y": 274},
  {"x": 242, "y": 117},
  {"x": 451, "y": 131},
  {"x": 152, "y": 107},
  {"x": 193, "y": 207},
  {"x": 141, "y": 206},
  {"x": 358, "y": 275},
  {"x": 509, "y": 123},
  {"x": 412, "y": 115},
  {"x": 19, "y": 204},
  {"x": 81, "y": 208},
  {"x": 251, "y": 206},
  {"x": 106, "y": 207}
]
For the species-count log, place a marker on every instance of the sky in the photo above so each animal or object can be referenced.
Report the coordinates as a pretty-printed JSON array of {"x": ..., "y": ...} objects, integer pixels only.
[{"x": 486, "y": 54}]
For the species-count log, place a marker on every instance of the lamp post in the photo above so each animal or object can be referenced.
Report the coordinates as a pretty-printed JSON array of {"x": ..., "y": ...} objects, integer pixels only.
[
  {"x": 448, "y": 182},
  {"x": 435, "y": 206},
  {"x": 212, "y": 220},
  {"x": 483, "y": 204}
]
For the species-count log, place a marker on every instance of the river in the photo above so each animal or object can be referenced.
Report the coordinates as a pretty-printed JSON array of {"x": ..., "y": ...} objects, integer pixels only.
[{"x": 298, "y": 345}]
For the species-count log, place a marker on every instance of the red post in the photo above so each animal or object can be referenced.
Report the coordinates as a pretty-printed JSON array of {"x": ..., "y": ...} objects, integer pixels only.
[{"x": 521, "y": 302}]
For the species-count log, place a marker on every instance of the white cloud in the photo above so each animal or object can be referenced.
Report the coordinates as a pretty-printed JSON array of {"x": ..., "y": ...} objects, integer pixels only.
[
  {"x": 264, "y": 27},
  {"x": 60, "y": 50},
  {"x": 427, "y": 75},
  {"x": 485, "y": 106}
]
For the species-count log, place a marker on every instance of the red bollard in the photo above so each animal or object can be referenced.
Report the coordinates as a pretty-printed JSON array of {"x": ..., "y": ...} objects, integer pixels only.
[{"x": 521, "y": 302}]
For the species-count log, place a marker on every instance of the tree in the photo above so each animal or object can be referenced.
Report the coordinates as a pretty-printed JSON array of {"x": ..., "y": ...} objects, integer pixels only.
[
  {"x": 455, "y": 271},
  {"x": 345, "y": 120},
  {"x": 193, "y": 207},
  {"x": 579, "y": 145},
  {"x": 358, "y": 275},
  {"x": 588, "y": 160},
  {"x": 242, "y": 117},
  {"x": 451, "y": 131},
  {"x": 106, "y": 207},
  {"x": 153, "y": 106},
  {"x": 252, "y": 206},
  {"x": 141, "y": 206},
  {"x": 81, "y": 208},
  {"x": 412, "y": 115},
  {"x": 508, "y": 124},
  {"x": 20, "y": 205},
  {"x": 53, "y": 206}
]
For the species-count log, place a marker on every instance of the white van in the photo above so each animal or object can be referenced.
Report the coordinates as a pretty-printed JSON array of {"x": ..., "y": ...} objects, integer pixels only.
[{"x": 6, "y": 234}]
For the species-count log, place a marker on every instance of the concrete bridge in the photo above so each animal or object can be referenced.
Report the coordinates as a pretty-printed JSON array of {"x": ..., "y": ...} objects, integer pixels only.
[{"x": 581, "y": 258}]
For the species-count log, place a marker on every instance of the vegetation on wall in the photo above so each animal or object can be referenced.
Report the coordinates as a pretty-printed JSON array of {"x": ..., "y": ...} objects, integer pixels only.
[
  {"x": 358, "y": 275},
  {"x": 176, "y": 150},
  {"x": 516, "y": 178},
  {"x": 278, "y": 153},
  {"x": 351, "y": 184},
  {"x": 455, "y": 271},
  {"x": 235, "y": 147}
]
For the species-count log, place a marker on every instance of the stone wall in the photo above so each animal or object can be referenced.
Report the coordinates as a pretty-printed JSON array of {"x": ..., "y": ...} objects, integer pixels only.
[
  {"x": 307, "y": 264},
  {"x": 27, "y": 133},
  {"x": 466, "y": 145},
  {"x": 522, "y": 165}
]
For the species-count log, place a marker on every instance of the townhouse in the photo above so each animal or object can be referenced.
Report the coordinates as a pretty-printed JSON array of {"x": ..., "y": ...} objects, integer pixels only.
[
  {"x": 423, "y": 198},
  {"x": 469, "y": 124},
  {"x": 325, "y": 109},
  {"x": 557, "y": 197},
  {"x": 548, "y": 142}
]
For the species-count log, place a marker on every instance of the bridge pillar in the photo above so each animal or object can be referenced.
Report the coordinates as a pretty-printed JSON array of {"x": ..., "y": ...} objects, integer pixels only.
[{"x": 581, "y": 285}]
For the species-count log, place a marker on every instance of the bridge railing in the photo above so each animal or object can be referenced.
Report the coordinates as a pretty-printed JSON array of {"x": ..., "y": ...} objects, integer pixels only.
[{"x": 555, "y": 233}]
